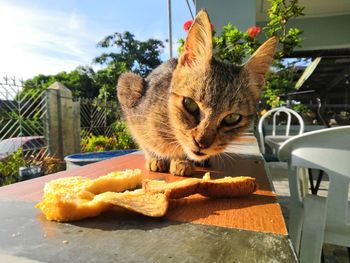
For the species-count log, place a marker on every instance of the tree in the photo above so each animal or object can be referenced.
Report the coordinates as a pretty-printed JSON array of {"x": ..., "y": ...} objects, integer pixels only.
[
  {"x": 280, "y": 13},
  {"x": 80, "y": 81},
  {"x": 135, "y": 55},
  {"x": 131, "y": 55}
]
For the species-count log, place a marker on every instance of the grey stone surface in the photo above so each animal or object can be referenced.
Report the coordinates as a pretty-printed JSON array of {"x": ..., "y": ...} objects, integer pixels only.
[
  {"x": 125, "y": 237},
  {"x": 278, "y": 171}
]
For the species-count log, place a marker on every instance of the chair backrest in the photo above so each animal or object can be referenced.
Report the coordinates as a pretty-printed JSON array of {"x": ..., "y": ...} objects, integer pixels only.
[
  {"x": 327, "y": 150},
  {"x": 276, "y": 112}
]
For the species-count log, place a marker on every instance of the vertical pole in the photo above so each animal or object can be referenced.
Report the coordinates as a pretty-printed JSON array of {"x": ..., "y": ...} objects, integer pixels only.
[
  {"x": 170, "y": 30},
  {"x": 20, "y": 117},
  {"x": 105, "y": 116},
  {"x": 63, "y": 121},
  {"x": 189, "y": 8},
  {"x": 60, "y": 120}
]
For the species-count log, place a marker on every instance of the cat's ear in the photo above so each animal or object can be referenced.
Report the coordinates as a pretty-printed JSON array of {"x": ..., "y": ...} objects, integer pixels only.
[
  {"x": 198, "y": 47},
  {"x": 259, "y": 63}
]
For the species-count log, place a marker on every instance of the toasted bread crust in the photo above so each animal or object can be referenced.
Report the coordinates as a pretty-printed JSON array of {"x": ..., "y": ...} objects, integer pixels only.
[
  {"x": 176, "y": 190},
  {"x": 225, "y": 187},
  {"x": 228, "y": 187},
  {"x": 75, "y": 198}
]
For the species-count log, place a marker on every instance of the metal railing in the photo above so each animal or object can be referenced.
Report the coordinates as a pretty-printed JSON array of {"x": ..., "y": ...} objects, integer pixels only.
[
  {"x": 97, "y": 117},
  {"x": 22, "y": 114}
]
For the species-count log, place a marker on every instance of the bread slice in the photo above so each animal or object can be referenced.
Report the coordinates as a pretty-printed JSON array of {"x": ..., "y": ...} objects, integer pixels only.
[
  {"x": 228, "y": 187},
  {"x": 175, "y": 190},
  {"x": 74, "y": 198},
  {"x": 224, "y": 187},
  {"x": 153, "y": 205}
]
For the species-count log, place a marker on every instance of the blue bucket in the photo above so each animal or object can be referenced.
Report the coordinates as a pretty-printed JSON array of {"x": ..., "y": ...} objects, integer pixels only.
[
  {"x": 26, "y": 173},
  {"x": 81, "y": 159}
]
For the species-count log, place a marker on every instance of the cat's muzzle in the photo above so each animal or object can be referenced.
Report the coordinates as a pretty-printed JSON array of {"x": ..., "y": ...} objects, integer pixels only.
[{"x": 199, "y": 153}]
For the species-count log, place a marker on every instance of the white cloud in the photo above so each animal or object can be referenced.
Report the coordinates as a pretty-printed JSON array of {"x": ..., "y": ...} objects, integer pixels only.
[
  {"x": 39, "y": 40},
  {"x": 42, "y": 41}
]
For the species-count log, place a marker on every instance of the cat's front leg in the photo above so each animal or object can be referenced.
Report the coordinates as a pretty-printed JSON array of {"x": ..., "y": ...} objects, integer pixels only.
[
  {"x": 181, "y": 167},
  {"x": 155, "y": 164}
]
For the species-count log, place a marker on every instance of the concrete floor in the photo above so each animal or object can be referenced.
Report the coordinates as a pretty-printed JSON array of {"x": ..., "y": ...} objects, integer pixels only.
[{"x": 278, "y": 170}]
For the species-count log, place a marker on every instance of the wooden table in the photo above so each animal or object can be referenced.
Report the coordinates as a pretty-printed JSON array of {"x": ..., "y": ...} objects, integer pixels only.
[{"x": 195, "y": 229}]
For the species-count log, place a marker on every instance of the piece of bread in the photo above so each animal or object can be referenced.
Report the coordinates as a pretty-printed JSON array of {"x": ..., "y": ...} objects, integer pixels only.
[
  {"x": 154, "y": 205},
  {"x": 225, "y": 187},
  {"x": 74, "y": 198},
  {"x": 228, "y": 187},
  {"x": 175, "y": 190}
]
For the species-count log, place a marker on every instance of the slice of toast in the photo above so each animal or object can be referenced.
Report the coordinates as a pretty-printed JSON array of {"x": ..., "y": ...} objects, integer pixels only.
[
  {"x": 224, "y": 187},
  {"x": 153, "y": 205},
  {"x": 228, "y": 187},
  {"x": 74, "y": 198}
]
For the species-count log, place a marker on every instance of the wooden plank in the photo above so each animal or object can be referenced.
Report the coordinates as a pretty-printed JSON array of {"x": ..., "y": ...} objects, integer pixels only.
[{"x": 257, "y": 212}]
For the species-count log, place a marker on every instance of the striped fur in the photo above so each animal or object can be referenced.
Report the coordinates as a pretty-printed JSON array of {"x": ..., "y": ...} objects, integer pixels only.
[{"x": 154, "y": 111}]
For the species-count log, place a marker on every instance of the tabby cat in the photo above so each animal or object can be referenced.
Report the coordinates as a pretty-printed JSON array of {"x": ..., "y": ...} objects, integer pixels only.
[{"x": 191, "y": 108}]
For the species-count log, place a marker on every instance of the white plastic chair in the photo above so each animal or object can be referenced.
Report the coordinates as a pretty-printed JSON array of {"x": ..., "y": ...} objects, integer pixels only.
[
  {"x": 277, "y": 113},
  {"x": 315, "y": 220}
]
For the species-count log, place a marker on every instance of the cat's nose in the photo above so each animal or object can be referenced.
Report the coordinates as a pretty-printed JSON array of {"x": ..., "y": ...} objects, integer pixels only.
[{"x": 203, "y": 142}]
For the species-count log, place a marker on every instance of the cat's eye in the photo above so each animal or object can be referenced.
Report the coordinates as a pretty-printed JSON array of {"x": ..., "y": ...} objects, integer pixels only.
[
  {"x": 190, "y": 105},
  {"x": 232, "y": 119}
]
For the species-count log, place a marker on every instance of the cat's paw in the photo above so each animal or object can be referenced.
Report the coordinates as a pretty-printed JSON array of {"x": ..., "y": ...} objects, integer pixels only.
[
  {"x": 181, "y": 167},
  {"x": 157, "y": 165}
]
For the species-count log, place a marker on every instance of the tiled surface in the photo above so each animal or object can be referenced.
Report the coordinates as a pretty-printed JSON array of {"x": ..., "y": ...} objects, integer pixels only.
[{"x": 278, "y": 170}]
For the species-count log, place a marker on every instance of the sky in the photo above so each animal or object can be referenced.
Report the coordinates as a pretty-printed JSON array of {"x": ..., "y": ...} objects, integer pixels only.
[{"x": 47, "y": 37}]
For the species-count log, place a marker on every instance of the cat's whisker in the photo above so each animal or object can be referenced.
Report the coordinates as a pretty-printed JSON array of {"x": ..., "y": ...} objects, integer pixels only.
[
  {"x": 222, "y": 161},
  {"x": 238, "y": 148},
  {"x": 230, "y": 158},
  {"x": 218, "y": 161},
  {"x": 225, "y": 159}
]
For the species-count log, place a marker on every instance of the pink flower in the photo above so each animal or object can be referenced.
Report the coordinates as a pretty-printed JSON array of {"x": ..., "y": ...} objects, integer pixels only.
[
  {"x": 187, "y": 25},
  {"x": 254, "y": 31},
  {"x": 212, "y": 26}
]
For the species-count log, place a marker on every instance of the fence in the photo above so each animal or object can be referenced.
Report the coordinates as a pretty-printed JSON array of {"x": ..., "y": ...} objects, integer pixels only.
[
  {"x": 39, "y": 127},
  {"x": 49, "y": 120},
  {"x": 22, "y": 114},
  {"x": 97, "y": 117}
]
